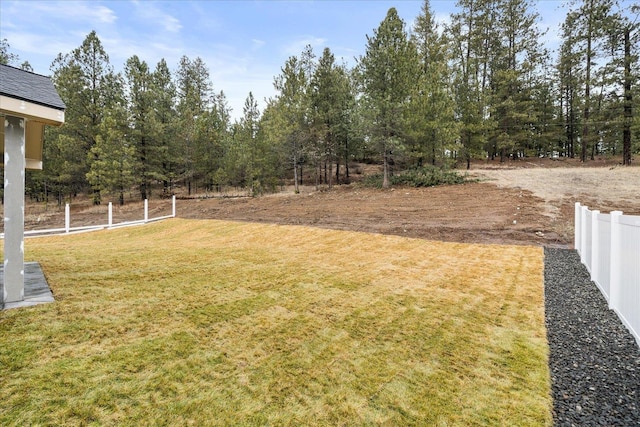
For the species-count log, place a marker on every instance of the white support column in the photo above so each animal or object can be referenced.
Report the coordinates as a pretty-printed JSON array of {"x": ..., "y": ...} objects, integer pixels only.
[
  {"x": 146, "y": 210},
  {"x": 595, "y": 246},
  {"x": 173, "y": 206},
  {"x": 67, "y": 218},
  {"x": 616, "y": 261},
  {"x": 110, "y": 214},
  {"x": 577, "y": 230},
  {"x": 14, "y": 165}
]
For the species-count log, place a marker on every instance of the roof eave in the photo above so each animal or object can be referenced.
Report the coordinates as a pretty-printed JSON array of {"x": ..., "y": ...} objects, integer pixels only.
[{"x": 31, "y": 111}]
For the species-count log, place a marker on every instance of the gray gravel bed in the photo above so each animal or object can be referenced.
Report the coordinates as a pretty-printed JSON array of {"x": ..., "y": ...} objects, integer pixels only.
[{"x": 594, "y": 360}]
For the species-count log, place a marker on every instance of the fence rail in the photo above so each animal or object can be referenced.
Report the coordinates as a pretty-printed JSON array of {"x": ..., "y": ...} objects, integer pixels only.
[
  {"x": 609, "y": 247},
  {"x": 67, "y": 229}
]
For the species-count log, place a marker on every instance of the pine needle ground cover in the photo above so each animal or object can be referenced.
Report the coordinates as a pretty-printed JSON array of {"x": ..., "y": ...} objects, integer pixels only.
[{"x": 190, "y": 322}]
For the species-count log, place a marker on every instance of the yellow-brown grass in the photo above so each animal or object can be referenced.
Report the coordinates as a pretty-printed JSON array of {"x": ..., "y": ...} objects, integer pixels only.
[{"x": 222, "y": 323}]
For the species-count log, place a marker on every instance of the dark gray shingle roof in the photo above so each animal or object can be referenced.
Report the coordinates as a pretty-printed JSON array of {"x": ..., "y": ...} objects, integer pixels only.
[{"x": 26, "y": 86}]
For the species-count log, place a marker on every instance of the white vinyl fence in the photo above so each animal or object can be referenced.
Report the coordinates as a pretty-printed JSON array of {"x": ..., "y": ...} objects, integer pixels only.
[
  {"x": 109, "y": 224},
  {"x": 609, "y": 246}
]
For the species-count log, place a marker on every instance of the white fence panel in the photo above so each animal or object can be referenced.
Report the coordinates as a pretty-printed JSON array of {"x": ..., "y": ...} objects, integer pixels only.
[
  {"x": 601, "y": 252},
  {"x": 628, "y": 307},
  {"x": 609, "y": 247},
  {"x": 585, "y": 255}
]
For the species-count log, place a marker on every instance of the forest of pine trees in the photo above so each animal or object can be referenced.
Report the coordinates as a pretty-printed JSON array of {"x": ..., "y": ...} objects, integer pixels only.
[{"x": 482, "y": 86}]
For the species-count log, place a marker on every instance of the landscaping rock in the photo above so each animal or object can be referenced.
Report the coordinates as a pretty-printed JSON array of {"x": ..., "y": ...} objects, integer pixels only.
[{"x": 594, "y": 360}]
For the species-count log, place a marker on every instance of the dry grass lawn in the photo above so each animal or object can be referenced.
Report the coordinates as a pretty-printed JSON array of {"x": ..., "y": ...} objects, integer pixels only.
[{"x": 188, "y": 322}]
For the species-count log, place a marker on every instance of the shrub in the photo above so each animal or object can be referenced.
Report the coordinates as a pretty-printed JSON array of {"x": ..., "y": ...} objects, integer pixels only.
[{"x": 427, "y": 176}]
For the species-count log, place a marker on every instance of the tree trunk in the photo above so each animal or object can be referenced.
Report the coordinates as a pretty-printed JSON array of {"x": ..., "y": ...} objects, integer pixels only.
[
  {"x": 295, "y": 176},
  {"x": 385, "y": 174},
  {"x": 330, "y": 182},
  {"x": 587, "y": 89},
  {"x": 346, "y": 156},
  {"x": 433, "y": 147},
  {"x": 628, "y": 98},
  {"x": 301, "y": 175},
  {"x": 324, "y": 164}
]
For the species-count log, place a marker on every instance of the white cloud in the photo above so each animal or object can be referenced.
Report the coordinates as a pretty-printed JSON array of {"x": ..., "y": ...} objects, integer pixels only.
[
  {"x": 296, "y": 47},
  {"x": 148, "y": 12},
  {"x": 170, "y": 23},
  {"x": 40, "y": 44},
  {"x": 78, "y": 11},
  {"x": 257, "y": 44},
  {"x": 103, "y": 14}
]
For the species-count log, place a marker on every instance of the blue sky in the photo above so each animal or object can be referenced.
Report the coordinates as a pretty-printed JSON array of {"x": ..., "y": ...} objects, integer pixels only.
[{"x": 243, "y": 43}]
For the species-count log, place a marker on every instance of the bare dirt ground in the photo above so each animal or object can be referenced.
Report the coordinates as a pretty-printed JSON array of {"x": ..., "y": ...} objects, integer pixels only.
[{"x": 522, "y": 202}]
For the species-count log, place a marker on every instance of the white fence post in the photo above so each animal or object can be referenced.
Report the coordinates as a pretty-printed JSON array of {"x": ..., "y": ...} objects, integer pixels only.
[
  {"x": 67, "y": 229},
  {"x": 583, "y": 232},
  {"x": 577, "y": 228},
  {"x": 616, "y": 261},
  {"x": 67, "y": 218},
  {"x": 595, "y": 246}
]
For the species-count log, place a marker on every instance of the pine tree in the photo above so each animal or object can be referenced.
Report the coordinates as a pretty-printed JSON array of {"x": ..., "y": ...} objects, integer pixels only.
[
  {"x": 6, "y": 56},
  {"x": 569, "y": 79},
  {"x": 193, "y": 91},
  {"x": 113, "y": 157},
  {"x": 253, "y": 152},
  {"x": 82, "y": 78},
  {"x": 163, "y": 131},
  {"x": 292, "y": 106},
  {"x": 331, "y": 99},
  {"x": 517, "y": 58},
  {"x": 211, "y": 138},
  {"x": 141, "y": 117},
  {"x": 586, "y": 26},
  {"x": 622, "y": 41},
  {"x": 388, "y": 72},
  {"x": 474, "y": 41},
  {"x": 433, "y": 128}
]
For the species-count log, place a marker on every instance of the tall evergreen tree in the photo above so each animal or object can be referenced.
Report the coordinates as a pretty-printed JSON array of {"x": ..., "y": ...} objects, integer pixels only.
[
  {"x": 164, "y": 130},
  {"x": 211, "y": 138},
  {"x": 141, "y": 117},
  {"x": 517, "y": 57},
  {"x": 474, "y": 40},
  {"x": 252, "y": 150},
  {"x": 586, "y": 26},
  {"x": 331, "y": 99},
  {"x": 292, "y": 105},
  {"x": 113, "y": 157},
  {"x": 388, "y": 71},
  {"x": 570, "y": 83},
  {"x": 433, "y": 128},
  {"x": 623, "y": 41},
  {"x": 82, "y": 78},
  {"x": 193, "y": 92}
]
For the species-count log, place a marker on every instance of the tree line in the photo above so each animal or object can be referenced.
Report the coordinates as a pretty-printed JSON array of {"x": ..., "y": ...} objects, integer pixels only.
[{"x": 481, "y": 86}]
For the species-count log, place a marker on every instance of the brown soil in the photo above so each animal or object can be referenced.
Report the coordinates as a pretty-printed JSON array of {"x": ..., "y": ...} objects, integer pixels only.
[{"x": 512, "y": 203}]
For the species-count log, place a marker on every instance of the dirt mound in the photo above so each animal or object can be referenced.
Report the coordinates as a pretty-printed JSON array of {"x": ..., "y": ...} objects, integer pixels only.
[{"x": 472, "y": 212}]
